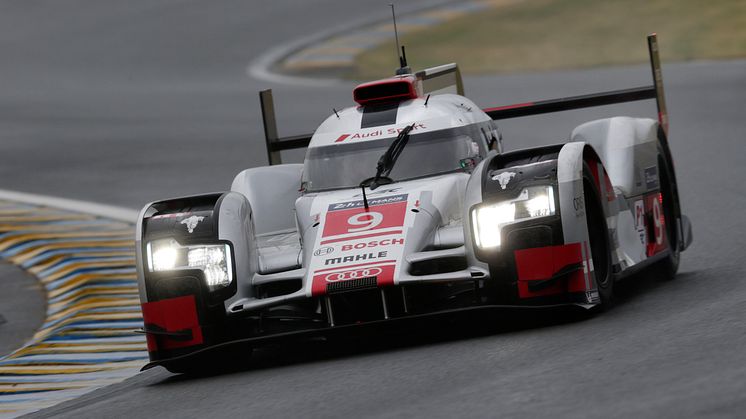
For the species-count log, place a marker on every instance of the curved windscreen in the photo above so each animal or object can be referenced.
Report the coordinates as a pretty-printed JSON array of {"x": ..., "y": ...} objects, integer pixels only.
[{"x": 426, "y": 154}]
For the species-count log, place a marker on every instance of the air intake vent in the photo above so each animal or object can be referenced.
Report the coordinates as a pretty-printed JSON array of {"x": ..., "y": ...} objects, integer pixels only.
[
  {"x": 438, "y": 266},
  {"x": 352, "y": 285},
  {"x": 385, "y": 91}
]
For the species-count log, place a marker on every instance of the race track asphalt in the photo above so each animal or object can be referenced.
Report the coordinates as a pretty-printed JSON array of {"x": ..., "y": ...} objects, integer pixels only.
[
  {"x": 126, "y": 102},
  {"x": 22, "y": 307}
]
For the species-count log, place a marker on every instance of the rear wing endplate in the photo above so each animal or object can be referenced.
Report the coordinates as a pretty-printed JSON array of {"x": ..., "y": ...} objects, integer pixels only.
[
  {"x": 441, "y": 79},
  {"x": 275, "y": 144},
  {"x": 447, "y": 79}
]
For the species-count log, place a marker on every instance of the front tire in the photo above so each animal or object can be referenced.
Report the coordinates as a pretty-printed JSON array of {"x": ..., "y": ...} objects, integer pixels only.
[{"x": 598, "y": 235}]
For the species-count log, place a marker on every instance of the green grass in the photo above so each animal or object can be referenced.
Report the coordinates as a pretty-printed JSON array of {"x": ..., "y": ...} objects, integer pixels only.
[{"x": 538, "y": 35}]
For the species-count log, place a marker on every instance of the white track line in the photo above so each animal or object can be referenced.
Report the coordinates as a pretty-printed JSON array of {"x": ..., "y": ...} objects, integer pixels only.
[{"x": 261, "y": 67}]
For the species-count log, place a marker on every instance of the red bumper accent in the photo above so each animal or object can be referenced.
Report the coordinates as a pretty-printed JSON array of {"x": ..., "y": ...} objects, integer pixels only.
[
  {"x": 541, "y": 263},
  {"x": 173, "y": 315}
]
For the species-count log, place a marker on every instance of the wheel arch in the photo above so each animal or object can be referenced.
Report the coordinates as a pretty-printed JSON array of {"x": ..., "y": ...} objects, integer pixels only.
[{"x": 574, "y": 158}]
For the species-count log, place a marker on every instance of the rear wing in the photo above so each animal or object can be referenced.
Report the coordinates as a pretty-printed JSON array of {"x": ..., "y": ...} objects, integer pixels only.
[
  {"x": 654, "y": 91},
  {"x": 447, "y": 79}
]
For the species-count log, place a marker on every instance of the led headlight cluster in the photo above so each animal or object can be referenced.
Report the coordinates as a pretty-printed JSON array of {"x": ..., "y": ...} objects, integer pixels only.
[
  {"x": 213, "y": 259},
  {"x": 488, "y": 219}
]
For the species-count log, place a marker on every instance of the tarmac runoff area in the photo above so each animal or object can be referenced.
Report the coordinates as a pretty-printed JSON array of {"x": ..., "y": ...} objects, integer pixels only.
[
  {"x": 85, "y": 264},
  {"x": 335, "y": 55},
  {"x": 22, "y": 307}
]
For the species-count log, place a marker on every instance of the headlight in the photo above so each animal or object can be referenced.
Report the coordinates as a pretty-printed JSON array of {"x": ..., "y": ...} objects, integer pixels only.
[
  {"x": 212, "y": 259},
  {"x": 488, "y": 220}
]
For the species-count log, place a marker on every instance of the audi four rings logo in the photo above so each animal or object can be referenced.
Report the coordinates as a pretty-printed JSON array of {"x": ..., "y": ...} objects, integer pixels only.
[
  {"x": 323, "y": 251},
  {"x": 357, "y": 273}
]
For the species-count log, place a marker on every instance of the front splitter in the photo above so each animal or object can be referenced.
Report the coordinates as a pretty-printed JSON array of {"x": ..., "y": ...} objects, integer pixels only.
[{"x": 342, "y": 329}]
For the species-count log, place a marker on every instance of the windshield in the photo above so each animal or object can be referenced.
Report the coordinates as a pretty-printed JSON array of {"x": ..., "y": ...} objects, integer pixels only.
[{"x": 426, "y": 154}]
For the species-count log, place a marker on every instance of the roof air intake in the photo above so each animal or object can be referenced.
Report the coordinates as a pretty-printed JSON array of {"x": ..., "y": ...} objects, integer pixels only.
[{"x": 386, "y": 91}]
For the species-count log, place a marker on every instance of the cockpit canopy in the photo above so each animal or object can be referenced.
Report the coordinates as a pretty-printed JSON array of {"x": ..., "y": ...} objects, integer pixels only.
[{"x": 346, "y": 164}]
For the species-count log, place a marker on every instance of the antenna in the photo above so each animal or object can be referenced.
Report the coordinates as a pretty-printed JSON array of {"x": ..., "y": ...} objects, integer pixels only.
[
  {"x": 403, "y": 68},
  {"x": 396, "y": 32}
]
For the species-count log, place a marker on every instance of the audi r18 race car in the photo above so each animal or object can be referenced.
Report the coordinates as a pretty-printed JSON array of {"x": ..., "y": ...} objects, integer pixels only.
[{"x": 406, "y": 205}]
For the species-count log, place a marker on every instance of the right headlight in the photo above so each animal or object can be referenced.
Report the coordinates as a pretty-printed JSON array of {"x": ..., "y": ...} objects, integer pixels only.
[
  {"x": 214, "y": 260},
  {"x": 488, "y": 219}
]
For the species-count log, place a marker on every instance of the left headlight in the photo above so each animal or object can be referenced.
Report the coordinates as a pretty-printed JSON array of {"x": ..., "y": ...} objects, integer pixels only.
[
  {"x": 212, "y": 259},
  {"x": 488, "y": 219}
]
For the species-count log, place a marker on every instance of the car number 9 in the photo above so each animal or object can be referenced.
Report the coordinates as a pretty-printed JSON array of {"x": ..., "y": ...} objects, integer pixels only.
[{"x": 366, "y": 221}]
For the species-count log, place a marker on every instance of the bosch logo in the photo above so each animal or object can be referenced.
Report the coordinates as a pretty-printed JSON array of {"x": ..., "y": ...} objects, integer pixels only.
[
  {"x": 323, "y": 251},
  {"x": 372, "y": 243},
  {"x": 358, "y": 273}
]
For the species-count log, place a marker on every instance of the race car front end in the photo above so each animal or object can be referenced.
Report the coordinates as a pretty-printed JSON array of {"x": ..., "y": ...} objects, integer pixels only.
[
  {"x": 238, "y": 267},
  {"x": 208, "y": 279},
  {"x": 519, "y": 216},
  {"x": 187, "y": 271}
]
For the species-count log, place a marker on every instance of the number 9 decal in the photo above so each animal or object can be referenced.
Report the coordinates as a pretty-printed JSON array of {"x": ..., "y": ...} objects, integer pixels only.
[{"x": 366, "y": 221}]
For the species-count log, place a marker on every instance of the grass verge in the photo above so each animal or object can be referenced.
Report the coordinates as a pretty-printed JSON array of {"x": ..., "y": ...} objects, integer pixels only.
[{"x": 538, "y": 35}]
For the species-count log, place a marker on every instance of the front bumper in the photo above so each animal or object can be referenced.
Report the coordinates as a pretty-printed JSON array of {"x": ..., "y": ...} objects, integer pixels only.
[{"x": 182, "y": 326}]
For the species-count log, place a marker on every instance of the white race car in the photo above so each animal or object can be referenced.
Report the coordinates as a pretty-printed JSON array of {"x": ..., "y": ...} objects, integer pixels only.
[{"x": 406, "y": 205}]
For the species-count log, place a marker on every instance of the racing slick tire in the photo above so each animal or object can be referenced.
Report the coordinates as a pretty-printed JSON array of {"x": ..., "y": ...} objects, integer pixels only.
[
  {"x": 666, "y": 269},
  {"x": 598, "y": 236}
]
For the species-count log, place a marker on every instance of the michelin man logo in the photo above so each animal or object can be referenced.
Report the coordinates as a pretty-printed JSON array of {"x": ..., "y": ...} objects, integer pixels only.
[
  {"x": 504, "y": 178},
  {"x": 191, "y": 222}
]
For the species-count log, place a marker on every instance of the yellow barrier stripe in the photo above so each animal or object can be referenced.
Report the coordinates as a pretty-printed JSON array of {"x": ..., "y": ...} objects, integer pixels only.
[
  {"x": 84, "y": 278},
  {"x": 38, "y": 250},
  {"x": 51, "y": 227},
  {"x": 18, "y": 211},
  {"x": 52, "y": 217},
  {"x": 16, "y": 240},
  {"x": 68, "y": 348},
  {"x": 66, "y": 369},
  {"x": 25, "y": 388},
  {"x": 80, "y": 294},
  {"x": 100, "y": 303},
  {"x": 87, "y": 265},
  {"x": 101, "y": 331},
  {"x": 56, "y": 260}
]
